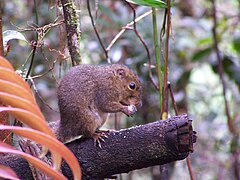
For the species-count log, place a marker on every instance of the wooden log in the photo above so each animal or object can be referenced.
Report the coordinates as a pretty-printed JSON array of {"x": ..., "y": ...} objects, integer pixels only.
[{"x": 138, "y": 147}]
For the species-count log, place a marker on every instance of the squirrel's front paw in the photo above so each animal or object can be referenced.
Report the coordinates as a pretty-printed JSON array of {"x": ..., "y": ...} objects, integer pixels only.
[{"x": 130, "y": 110}]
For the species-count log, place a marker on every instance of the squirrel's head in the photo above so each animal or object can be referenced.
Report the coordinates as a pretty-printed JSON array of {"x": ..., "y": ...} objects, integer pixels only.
[{"x": 129, "y": 86}]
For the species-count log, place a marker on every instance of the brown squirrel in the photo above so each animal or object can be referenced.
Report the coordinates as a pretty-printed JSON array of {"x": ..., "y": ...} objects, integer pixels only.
[{"x": 87, "y": 93}]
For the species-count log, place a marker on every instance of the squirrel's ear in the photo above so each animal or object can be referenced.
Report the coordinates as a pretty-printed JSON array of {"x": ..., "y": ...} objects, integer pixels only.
[{"x": 121, "y": 73}]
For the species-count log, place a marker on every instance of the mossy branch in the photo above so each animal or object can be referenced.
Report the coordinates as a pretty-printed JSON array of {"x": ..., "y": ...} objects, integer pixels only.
[
  {"x": 73, "y": 30},
  {"x": 147, "y": 145}
]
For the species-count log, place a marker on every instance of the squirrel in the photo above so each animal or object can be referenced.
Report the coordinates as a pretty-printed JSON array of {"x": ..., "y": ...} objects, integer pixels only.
[{"x": 87, "y": 93}]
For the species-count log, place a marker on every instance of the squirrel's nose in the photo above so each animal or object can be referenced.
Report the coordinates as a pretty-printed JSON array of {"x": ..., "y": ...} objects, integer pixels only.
[{"x": 135, "y": 101}]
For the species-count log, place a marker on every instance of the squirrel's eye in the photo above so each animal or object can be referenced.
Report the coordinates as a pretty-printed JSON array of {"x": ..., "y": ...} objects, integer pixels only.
[{"x": 132, "y": 85}]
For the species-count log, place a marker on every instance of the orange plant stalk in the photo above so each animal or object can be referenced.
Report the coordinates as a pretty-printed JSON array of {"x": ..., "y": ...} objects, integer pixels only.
[{"x": 4, "y": 135}]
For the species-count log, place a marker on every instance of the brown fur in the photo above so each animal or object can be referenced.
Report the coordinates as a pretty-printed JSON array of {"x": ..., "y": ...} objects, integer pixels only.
[{"x": 88, "y": 92}]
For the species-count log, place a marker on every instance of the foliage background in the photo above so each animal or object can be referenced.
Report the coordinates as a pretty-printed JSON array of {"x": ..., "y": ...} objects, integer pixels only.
[{"x": 192, "y": 69}]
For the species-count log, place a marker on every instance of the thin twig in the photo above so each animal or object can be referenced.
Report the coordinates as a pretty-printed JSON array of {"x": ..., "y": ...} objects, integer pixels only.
[
  {"x": 162, "y": 32},
  {"x": 166, "y": 84},
  {"x": 32, "y": 59},
  {"x": 96, "y": 9},
  {"x": 60, "y": 54},
  {"x": 97, "y": 34},
  {"x": 163, "y": 29},
  {"x": 220, "y": 69},
  {"x": 41, "y": 28},
  {"x": 173, "y": 99},
  {"x": 125, "y": 28},
  {"x": 231, "y": 126},
  {"x": 176, "y": 113},
  {"x": 144, "y": 44},
  {"x": 40, "y": 97},
  {"x": 165, "y": 76},
  {"x": 36, "y": 11},
  {"x": 157, "y": 57},
  {"x": 190, "y": 168},
  {"x": 34, "y": 43},
  {"x": 40, "y": 75},
  {"x": 50, "y": 68},
  {"x": 164, "y": 91}
]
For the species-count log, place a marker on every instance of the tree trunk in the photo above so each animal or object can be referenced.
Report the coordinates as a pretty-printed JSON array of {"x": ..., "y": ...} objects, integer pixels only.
[{"x": 73, "y": 30}]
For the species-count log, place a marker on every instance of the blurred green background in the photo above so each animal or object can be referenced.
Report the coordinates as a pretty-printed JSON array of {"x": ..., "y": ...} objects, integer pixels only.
[{"x": 192, "y": 69}]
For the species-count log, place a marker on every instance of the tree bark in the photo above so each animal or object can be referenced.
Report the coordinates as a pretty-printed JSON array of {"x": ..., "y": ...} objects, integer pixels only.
[
  {"x": 147, "y": 145},
  {"x": 73, "y": 30}
]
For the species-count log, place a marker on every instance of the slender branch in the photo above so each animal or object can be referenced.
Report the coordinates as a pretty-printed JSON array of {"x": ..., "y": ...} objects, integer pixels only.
[
  {"x": 144, "y": 44},
  {"x": 176, "y": 113},
  {"x": 36, "y": 11},
  {"x": 157, "y": 55},
  {"x": 32, "y": 59},
  {"x": 220, "y": 69},
  {"x": 34, "y": 44},
  {"x": 189, "y": 165},
  {"x": 165, "y": 77},
  {"x": 73, "y": 30},
  {"x": 127, "y": 27},
  {"x": 163, "y": 92},
  {"x": 166, "y": 84},
  {"x": 97, "y": 34},
  {"x": 42, "y": 29},
  {"x": 231, "y": 127},
  {"x": 40, "y": 97},
  {"x": 163, "y": 29},
  {"x": 173, "y": 99}
]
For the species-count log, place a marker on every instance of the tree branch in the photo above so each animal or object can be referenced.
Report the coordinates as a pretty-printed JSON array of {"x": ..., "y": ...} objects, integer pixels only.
[
  {"x": 73, "y": 30},
  {"x": 220, "y": 69},
  {"x": 147, "y": 145},
  {"x": 97, "y": 34}
]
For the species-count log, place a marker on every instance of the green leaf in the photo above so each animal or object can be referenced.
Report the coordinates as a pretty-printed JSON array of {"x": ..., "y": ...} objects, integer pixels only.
[
  {"x": 228, "y": 64},
  {"x": 151, "y": 3},
  {"x": 232, "y": 69},
  {"x": 11, "y": 34},
  {"x": 201, "y": 54},
  {"x": 236, "y": 75},
  {"x": 236, "y": 44},
  {"x": 205, "y": 41}
]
